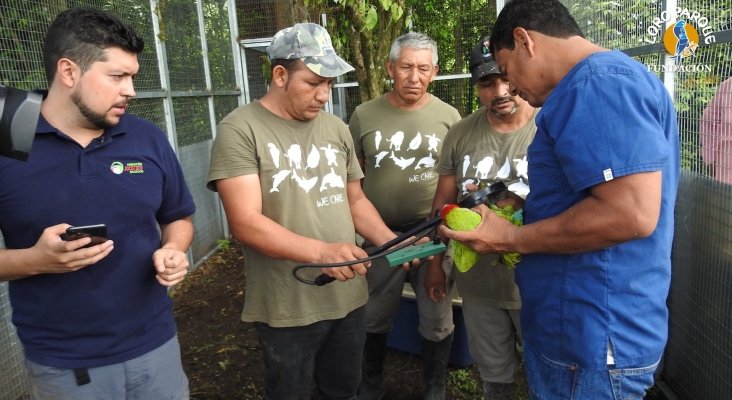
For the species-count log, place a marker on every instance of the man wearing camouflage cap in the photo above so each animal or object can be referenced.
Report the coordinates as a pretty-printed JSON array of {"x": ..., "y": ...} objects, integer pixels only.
[
  {"x": 290, "y": 184},
  {"x": 310, "y": 43},
  {"x": 485, "y": 147}
]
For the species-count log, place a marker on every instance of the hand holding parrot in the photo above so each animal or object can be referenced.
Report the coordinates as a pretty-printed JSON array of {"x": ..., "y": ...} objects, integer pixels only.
[{"x": 463, "y": 219}]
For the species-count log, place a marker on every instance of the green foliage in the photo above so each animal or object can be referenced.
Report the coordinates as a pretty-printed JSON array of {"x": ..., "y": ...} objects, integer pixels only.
[
  {"x": 462, "y": 24},
  {"x": 464, "y": 382},
  {"x": 218, "y": 38},
  {"x": 362, "y": 31},
  {"x": 21, "y": 39},
  {"x": 397, "y": 12},
  {"x": 371, "y": 18},
  {"x": 223, "y": 244},
  {"x": 615, "y": 25}
]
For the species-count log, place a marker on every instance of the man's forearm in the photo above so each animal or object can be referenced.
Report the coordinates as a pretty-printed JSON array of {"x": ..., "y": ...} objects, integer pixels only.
[
  {"x": 178, "y": 235},
  {"x": 15, "y": 264},
  {"x": 612, "y": 214}
]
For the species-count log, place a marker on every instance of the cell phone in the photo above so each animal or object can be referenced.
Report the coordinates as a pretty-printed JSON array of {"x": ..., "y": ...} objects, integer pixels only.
[{"x": 97, "y": 233}]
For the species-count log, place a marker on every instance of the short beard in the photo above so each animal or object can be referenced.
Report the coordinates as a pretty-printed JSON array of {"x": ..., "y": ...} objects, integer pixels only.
[
  {"x": 99, "y": 121},
  {"x": 500, "y": 99}
]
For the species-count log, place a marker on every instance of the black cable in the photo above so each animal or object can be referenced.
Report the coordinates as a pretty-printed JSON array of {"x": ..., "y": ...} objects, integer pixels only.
[
  {"x": 487, "y": 194},
  {"x": 417, "y": 232}
]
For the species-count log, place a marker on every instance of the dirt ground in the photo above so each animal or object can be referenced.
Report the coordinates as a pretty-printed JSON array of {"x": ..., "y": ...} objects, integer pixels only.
[{"x": 221, "y": 353}]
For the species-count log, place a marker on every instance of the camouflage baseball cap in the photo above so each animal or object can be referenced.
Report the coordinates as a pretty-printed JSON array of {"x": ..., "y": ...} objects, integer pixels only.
[
  {"x": 481, "y": 61},
  {"x": 310, "y": 43}
]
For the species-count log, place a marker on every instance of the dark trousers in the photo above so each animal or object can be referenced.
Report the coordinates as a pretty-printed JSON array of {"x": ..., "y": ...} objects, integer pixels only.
[{"x": 328, "y": 351}]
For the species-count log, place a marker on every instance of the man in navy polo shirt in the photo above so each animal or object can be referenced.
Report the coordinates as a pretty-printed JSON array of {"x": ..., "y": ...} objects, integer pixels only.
[{"x": 95, "y": 322}]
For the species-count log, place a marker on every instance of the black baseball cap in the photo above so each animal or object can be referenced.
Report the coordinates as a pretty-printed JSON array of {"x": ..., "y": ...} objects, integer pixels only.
[{"x": 481, "y": 61}]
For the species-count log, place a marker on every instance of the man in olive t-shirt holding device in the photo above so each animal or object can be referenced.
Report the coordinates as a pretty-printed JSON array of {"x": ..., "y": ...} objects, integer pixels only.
[
  {"x": 290, "y": 184},
  {"x": 398, "y": 138}
]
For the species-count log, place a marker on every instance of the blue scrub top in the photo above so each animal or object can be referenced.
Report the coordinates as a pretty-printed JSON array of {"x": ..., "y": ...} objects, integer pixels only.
[{"x": 609, "y": 117}]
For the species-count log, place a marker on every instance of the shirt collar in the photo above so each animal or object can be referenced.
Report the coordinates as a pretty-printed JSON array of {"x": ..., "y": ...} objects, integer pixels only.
[{"x": 44, "y": 127}]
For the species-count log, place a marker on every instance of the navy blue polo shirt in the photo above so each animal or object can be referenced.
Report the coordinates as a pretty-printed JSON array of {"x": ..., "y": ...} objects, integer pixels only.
[{"x": 115, "y": 310}]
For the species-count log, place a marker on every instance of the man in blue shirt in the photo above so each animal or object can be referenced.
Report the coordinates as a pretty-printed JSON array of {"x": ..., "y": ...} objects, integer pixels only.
[
  {"x": 604, "y": 168},
  {"x": 95, "y": 322}
]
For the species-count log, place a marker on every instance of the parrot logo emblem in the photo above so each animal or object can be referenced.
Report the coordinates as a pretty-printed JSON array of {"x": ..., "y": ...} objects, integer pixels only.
[{"x": 681, "y": 40}]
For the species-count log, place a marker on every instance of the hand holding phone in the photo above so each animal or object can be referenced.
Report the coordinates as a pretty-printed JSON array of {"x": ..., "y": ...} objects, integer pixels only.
[{"x": 97, "y": 233}]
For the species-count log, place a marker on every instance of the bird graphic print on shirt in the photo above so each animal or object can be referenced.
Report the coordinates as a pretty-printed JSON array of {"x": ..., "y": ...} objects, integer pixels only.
[
  {"x": 513, "y": 172},
  {"x": 308, "y": 175},
  {"x": 414, "y": 151}
]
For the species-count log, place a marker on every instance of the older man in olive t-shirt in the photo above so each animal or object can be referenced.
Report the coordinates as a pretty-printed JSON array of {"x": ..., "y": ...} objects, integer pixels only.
[{"x": 398, "y": 138}]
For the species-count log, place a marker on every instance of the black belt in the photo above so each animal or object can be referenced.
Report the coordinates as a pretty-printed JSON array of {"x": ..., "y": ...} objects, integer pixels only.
[{"x": 82, "y": 376}]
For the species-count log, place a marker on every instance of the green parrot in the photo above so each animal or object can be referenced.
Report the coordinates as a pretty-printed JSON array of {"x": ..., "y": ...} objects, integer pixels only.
[{"x": 461, "y": 219}]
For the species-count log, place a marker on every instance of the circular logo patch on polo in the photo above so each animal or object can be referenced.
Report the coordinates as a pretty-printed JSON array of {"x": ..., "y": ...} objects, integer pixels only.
[{"x": 117, "y": 167}]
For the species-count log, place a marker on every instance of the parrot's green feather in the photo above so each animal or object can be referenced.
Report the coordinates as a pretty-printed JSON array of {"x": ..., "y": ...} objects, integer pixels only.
[
  {"x": 463, "y": 256},
  {"x": 462, "y": 219},
  {"x": 515, "y": 217}
]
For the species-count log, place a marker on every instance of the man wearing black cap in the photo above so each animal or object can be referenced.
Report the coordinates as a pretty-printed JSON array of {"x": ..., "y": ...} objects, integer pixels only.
[
  {"x": 290, "y": 184},
  {"x": 485, "y": 147}
]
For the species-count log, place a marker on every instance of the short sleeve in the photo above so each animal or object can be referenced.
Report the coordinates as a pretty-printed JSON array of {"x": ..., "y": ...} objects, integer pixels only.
[{"x": 608, "y": 126}]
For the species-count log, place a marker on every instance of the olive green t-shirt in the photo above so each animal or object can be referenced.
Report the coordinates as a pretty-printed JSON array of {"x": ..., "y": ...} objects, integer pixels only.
[
  {"x": 475, "y": 153},
  {"x": 303, "y": 170},
  {"x": 400, "y": 150}
]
